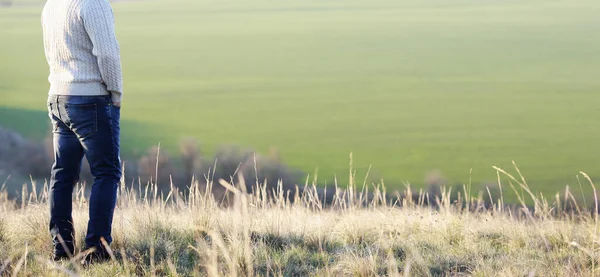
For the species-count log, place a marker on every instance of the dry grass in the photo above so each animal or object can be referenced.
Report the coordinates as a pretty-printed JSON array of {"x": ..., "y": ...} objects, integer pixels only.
[{"x": 361, "y": 233}]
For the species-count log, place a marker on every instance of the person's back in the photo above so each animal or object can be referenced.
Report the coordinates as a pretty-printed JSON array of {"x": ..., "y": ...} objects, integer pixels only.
[
  {"x": 81, "y": 48},
  {"x": 84, "y": 106}
]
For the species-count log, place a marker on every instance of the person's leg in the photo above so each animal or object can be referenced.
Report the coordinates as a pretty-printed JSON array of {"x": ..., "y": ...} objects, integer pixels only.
[
  {"x": 68, "y": 155},
  {"x": 101, "y": 145}
]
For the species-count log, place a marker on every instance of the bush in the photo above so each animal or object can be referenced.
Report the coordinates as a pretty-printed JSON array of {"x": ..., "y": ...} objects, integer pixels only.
[
  {"x": 232, "y": 161},
  {"x": 156, "y": 167},
  {"x": 6, "y": 3},
  {"x": 22, "y": 156},
  {"x": 191, "y": 159}
]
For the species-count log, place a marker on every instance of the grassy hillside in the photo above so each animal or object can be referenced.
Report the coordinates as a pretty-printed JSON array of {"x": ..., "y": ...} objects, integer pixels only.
[
  {"x": 360, "y": 234},
  {"x": 407, "y": 86}
]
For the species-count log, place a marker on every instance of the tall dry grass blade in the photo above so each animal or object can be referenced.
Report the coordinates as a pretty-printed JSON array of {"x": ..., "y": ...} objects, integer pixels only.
[
  {"x": 468, "y": 191},
  {"x": 501, "y": 200},
  {"x": 351, "y": 185},
  {"x": 407, "y": 202},
  {"x": 172, "y": 268},
  {"x": 519, "y": 172},
  {"x": 392, "y": 265},
  {"x": 45, "y": 190},
  {"x": 586, "y": 176},
  {"x": 72, "y": 259},
  {"x": 364, "y": 191},
  {"x": 108, "y": 249},
  {"x": 242, "y": 201},
  {"x": 211, "y": 268},
  {"x": 565, "y": 199},
  {"x": 574, "y": 203},
  {"x": 168, "y": 195},
  {"x": 21, "y": 262},
  {"x": 33, "y": 197},
  {"x": 582, "y": 193},
  {"x": 152, "y": 262},
  {"x": 157, "y": 161},
  {"x": 491, "y": 199},
  {"x": 23, "y": 196},
  {"x": 558, "y": 203},
  {"x": 219, "y": 243},
  {"x": 595, "y": 236},
  {"x": 3, "y": 187},
  {"x": 229, "y": 187},
  {"x": 540, "y": 207},
  {"x": 255, "y": 169},
  {"x": 520, "y": 197},
  {"x": 125, "y": 262},
  {"x": 77, "y": 258},
  {"x": 64, "y": 245}
]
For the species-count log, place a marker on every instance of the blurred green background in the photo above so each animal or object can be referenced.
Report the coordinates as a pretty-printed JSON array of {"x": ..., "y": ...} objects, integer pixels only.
[{"x": 407, "y": 86}]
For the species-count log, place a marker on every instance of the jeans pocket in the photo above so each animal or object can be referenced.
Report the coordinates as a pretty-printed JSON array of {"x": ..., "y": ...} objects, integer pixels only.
[
  {"x": 53, "y": 120},
  {"x": 83, "y": 119}
]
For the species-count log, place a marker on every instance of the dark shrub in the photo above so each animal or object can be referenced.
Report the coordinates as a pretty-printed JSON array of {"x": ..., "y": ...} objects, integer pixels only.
[
  {"x": 6, "y": 3},
  {"x": 156, "y": 163},
  {"x": 23, "y": 157},
  {"x": 231, "y": 161},
  {"x": 191, "y": 159}
]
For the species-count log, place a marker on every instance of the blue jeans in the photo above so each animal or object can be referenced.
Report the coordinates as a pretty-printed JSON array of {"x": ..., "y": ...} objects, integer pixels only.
[{"x": 83, "y": 125}]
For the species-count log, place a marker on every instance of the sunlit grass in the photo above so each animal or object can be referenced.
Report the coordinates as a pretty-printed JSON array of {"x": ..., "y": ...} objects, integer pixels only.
[{"x": 362, "y": 232}]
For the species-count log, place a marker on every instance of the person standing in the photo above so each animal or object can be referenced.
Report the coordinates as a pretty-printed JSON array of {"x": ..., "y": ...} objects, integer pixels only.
[{"x": 86, "y": 90}]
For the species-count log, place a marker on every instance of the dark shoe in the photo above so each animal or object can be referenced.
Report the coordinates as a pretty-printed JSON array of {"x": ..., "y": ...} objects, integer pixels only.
[
  {"x": 57, "y": 257},
  {"x": 94, "y": 257},
  {"x": 63, "y": 250}
]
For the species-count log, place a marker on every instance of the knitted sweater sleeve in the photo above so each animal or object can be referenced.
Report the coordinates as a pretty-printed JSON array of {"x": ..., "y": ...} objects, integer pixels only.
[{"x": 99, "y": 24}]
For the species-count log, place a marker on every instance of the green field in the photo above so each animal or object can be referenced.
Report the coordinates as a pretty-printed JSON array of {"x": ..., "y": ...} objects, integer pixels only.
[{"x": 408, "y": 86}]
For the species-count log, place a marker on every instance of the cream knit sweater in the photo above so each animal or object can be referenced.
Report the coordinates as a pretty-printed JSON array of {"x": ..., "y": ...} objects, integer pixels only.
[{"x": 82, "y": 49}]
